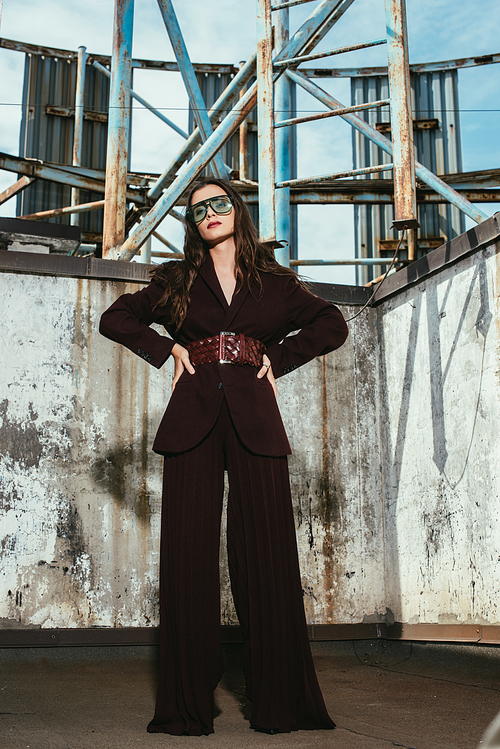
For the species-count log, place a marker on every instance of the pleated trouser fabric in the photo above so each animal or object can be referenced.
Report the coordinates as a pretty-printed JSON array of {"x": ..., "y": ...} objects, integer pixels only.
[{"x": 265, "y": 580}]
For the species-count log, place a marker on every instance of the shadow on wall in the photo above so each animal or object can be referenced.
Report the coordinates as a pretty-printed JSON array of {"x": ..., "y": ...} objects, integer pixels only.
[
  {"x": 453, "y": 405},
  {"x": 122, "y": 473}
]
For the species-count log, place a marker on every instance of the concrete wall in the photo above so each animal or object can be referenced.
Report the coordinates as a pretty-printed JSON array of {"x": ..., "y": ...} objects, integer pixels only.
[
  {"x": 80, "y": 488},
  {"x": 394, "y": 472},
  {"x": 440, "y": 396}
]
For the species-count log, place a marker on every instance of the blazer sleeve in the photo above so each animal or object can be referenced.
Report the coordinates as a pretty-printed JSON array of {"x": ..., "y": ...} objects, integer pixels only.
[
  {"x": 321, "y": 327},
  {"x": 127, "y": 322}
]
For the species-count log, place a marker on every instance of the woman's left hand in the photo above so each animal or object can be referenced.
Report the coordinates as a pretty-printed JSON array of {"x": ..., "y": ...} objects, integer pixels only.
[{"x": 266, "y": 369}]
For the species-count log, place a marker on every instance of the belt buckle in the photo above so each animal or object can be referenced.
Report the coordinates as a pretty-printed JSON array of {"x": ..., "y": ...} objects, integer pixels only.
[{"x": 222, "y": 334}]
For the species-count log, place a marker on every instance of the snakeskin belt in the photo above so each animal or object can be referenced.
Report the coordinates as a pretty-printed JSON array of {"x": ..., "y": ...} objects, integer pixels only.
[{"x": 227, "y": 348}]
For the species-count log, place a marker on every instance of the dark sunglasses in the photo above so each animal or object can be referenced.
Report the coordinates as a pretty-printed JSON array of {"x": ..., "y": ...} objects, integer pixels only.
[{"x": 221, "y": 204}]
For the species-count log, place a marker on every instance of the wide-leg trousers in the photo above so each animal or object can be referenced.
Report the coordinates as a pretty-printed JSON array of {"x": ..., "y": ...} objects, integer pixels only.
[{"x": 280, "y": 678}]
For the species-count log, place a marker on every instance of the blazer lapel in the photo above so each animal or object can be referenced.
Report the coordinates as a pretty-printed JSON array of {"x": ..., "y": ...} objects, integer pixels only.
[
  {"x": 236, "y": 303},
  {"x": 207, "y": 272}
]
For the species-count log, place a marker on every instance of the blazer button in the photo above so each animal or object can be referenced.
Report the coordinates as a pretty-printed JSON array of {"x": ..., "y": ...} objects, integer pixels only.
[{"x": 220, "y": 385}]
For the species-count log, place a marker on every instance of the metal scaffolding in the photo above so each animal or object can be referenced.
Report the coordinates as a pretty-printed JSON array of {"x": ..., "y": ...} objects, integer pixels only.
[{"x": 135, "y": 205}]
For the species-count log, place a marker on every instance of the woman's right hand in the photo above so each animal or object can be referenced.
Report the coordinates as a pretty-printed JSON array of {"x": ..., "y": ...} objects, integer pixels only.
[{"x": 182, "y": 362}]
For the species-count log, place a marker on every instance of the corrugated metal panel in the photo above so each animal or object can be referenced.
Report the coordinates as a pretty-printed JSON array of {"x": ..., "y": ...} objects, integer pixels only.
[
  {"x": 434, "y": 97},
  {"x": 211, "y": 86},
  {"x": 51, "y": 82}
]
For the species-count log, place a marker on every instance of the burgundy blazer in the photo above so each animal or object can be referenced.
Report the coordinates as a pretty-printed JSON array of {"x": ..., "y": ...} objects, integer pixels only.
[{"x": 195, "y": 403}]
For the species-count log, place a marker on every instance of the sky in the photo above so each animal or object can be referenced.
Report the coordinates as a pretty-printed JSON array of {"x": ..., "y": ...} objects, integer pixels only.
[{"x": 223, "y": 31}]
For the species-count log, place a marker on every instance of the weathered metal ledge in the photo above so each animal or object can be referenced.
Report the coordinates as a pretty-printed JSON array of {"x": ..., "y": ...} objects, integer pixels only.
[
  {"x": 70, "y": 637},
  {"x": 117, "y": 270},
  {"x": 473, "y": 240}
]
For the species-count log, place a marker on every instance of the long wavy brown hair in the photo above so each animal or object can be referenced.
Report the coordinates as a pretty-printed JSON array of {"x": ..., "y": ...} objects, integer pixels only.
[{"x": 252, "y": 256}]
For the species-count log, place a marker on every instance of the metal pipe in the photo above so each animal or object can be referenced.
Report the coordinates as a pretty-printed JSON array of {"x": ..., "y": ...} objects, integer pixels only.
[
  {"x": 370, "y": 132},
  {"x": 82, "y": 208},
  {"x": 405, "y": 202},
  {"x": 429, "y": 67},
  {"x": 168, "y": 244},
  {"x": 118, "y": 129},
  {"x": 265, "y": 124},
  {"x": 190, "y": 81},
  {"x": 177, "y": 215},
  {"x": 146, "y": 252},
  {"x": 282, "y": 144},
  {"x": 323, "y": 115},
  {"x": 21, "y": 184},
  {"x": 289, "y": 4},
  {"x": 352, "y": 261},
  {"x": 223, "y": 103},
  {"x": 311, "y": 27},
  {"x": 338, "y": 175},
  {"x": 145, "y": 103},
  {"x": 243, "y": 141},
  {"x": 348, "y": 193},
  {"x": 412, "y": 244},
  {"x": 78, "y": 124},
  {"x": 329, "y": 53},
  {"x": 171, "y": 255}
]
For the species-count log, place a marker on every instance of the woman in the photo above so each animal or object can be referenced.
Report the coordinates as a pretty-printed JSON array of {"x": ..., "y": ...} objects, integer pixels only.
[{"x": 228, "y": 308}]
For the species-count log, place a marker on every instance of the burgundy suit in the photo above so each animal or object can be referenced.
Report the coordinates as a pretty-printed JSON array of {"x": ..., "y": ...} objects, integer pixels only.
[
  {"x": 195, "y": 404},
  {"x": 224, "y": 418}
]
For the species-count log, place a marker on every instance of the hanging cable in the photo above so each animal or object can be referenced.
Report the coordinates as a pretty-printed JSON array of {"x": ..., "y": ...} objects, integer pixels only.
[{"x": 365, "y": 305}]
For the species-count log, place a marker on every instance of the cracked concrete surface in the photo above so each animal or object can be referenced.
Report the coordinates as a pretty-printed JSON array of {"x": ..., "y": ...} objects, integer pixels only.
[{"x": 381, "y": 694}]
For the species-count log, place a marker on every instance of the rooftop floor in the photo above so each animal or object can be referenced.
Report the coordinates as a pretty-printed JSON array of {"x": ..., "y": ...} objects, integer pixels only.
[{"x": 381, "y": 694}]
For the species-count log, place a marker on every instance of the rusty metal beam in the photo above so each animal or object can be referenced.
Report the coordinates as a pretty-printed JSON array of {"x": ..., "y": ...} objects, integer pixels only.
[
  {"x": 243, "y": 140},
  {"x": 467, "y": 180},
  {"x": 118, "y": 130},
  {"x": 67, "y": 54},
  {"x": 282, "y": 96},
  {"x": 169, "y": 255},
  {"x": 228, "y": 68},
  {"x": 70, "y": 209},
  {"x": 78, "y": 125},
  {"x": 87, "y": 179},
  {"x": 265, "y": 122},
  {"x": 426, "y": 67},
  {"x": 403, "y": 153},
  {"x": 335, "y": 113},
  {"x": 327, "y": 177},
  {"x": 57, "y": 111},
  {"x": 289, "y": 4},
  {"x": 363, "y": 192},
  {"x": 329, "y": 53},
  {"x": 65, "y": 175},
  {"x": 21, "y": 184}
]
